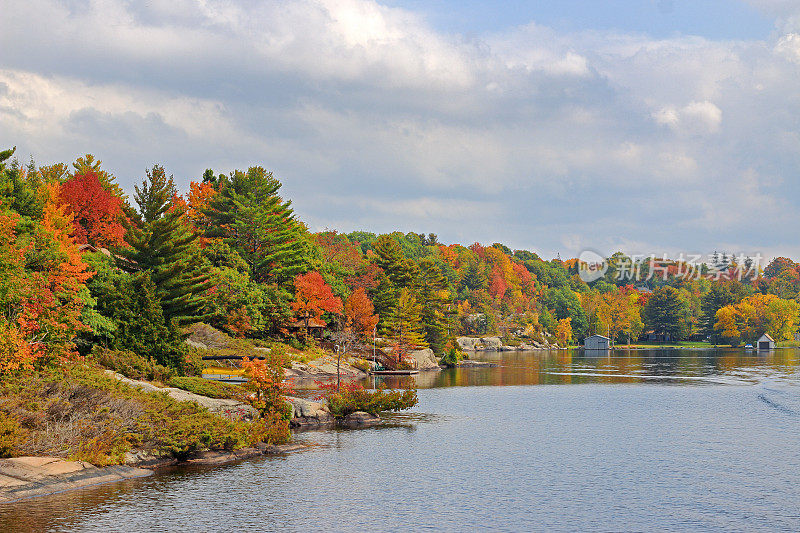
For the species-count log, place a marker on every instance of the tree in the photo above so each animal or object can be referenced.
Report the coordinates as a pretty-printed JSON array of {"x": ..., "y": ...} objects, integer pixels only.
[
  {"x": 250, "y": 216},
  {"x": 359, "y": 313},
  {"x": 564, "y": 331},
  {"x": 717, "y": 297},
  {"x": 163, "y": 246},
  {"x": 96, "y": 211},
  {"x": 434, "y": 297},
  {"x": 389, "y": 256},
  {"x": 404, "y": 322},
  {"x": 313, "y": 297},
  {"x": 665, "y": 312},
  {"x": 42, "y": 287}
]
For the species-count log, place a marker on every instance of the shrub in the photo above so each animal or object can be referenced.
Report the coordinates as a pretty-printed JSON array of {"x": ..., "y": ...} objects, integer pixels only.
[
  {"x": 352, "y": 397},
  {"x": 451, "y": 358},
  {"x": 204, "y": 387},
  {"x": 9, "y": 435},
  {"x": 361, "y": 364},
  {"x": 266, "y": 384},
  {"x": 108, "y": 448},
  {"x": 131, "y": 365}
]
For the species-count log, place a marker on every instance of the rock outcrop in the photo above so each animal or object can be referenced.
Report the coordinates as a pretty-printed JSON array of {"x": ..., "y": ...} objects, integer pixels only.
[
  {"x": 360, "y": 419},
  {"x": 222, "y": 406},
  {"x": 27, "y": 477},
  {"x": 425, "y": 359},
  {"x": 308, "y": 414}
]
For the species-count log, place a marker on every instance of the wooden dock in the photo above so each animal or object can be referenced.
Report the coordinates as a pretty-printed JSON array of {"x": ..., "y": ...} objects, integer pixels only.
[{"x": 394, "y": 372}]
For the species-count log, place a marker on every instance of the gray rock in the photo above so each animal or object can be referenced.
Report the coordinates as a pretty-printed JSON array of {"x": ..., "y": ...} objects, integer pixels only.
[
  {"x": 425, "y": 359},
  {"x": 360, "y": 419},
  {"x": 492, "y": 343},
  {"x": 227, "y": 407},
  {"x": 468, "y": 344},
  {"x": 306, "y": 413}
]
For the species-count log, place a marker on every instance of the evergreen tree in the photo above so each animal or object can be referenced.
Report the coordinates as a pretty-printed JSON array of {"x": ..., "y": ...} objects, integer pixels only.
[
  {"x": 162, "y": 245},
  {"x": 404, "y": 322},
  {"x": 665, "y": 312},
  {"x": 250, "y": 216},
  {"x": 434, "y": 297},
  {"x": 390, "y": 258},
  {"x": 384, "y": 298},
  {"x": 718, "y": 296}
]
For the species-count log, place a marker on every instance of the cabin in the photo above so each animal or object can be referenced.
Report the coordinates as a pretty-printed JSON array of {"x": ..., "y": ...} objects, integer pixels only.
[
  {"x": 765, "y": 342},
  {"x": 653, "y": 336},
  {"x": 596, "y": 342},
  {"x": 315, "y": 327}
]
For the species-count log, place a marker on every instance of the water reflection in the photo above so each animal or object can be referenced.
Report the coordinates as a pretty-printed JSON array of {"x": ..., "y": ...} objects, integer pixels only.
[{"x": 566, "y": 367}]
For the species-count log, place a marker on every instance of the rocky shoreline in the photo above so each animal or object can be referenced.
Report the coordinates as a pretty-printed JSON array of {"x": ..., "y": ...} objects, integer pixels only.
[{"x": 494, "y": 344}]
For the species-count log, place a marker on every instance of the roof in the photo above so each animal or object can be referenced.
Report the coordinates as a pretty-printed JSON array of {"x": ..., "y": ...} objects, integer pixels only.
[
  {"x": 767, "y": 336},
  {"x": 598, "y": 336},
  {"x": 312, "y": 323}
]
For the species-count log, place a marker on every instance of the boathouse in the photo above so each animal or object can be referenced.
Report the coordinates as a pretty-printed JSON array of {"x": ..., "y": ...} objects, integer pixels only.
[
  {"x": 765, "y": 343},
  {"x": 596, "y": 342}
]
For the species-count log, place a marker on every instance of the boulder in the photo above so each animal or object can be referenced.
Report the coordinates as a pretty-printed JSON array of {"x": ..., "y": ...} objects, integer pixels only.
[
  {"x": 492, "y": 343},
  {"x": 360, "y": 419},
  {"x": 306, "y": 413},
  {"x": 468, "y": 344},
  {"x": 425, "y": 359}
]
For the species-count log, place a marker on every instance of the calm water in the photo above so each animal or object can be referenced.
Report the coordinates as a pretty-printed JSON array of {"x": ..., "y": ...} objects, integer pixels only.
[{"x": 635, "y": 441}]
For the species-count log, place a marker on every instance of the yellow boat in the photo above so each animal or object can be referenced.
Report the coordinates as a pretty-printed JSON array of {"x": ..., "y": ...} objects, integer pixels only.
[{"x": 228, "y": 375}]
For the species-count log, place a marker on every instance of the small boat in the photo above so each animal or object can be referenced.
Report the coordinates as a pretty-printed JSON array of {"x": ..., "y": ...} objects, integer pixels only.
[
  {"x": 394, "y": 372},
  {"x": 748, "y": 346},
  {"x": 227, "y": 375}
]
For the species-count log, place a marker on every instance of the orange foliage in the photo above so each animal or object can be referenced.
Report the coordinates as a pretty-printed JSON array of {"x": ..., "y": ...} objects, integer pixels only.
[
  {"x": 360, "y": 312},
  {"x": 313, "y": 297}
]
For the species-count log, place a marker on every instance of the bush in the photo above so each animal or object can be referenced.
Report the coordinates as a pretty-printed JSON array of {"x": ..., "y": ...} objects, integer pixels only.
[
  {"x": 361, "y": 364},
  {"x": 131, "y": 365},
  {"x": 204, "y": 387},
  {"x": 451, "y": 358},
  {"x": 9, "y": 435},
  {"x": 351, "y": 398},
  {"x": 106, "y": 449}
]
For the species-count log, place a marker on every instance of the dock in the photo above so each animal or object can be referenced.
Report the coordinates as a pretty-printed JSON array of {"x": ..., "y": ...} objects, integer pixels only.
[{"x": 394, "y": 372}]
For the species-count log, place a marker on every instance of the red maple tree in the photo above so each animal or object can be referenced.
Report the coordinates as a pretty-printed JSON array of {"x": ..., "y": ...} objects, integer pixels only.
[
  {"x": 360, "y": 313},
  {"x": 313, "y": 297},
  {"x": 96, "y": 211}
]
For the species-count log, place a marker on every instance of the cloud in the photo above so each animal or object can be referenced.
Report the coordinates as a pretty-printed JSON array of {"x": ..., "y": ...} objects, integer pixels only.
[{"x": 373, "y": 120}]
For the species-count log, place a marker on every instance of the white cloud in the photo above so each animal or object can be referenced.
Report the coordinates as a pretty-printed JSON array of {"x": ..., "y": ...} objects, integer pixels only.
[{"x": 528, "y": 136}]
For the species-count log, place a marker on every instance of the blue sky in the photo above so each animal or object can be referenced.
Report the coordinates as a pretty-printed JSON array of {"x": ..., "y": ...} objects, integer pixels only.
[
  {"x": 714, "y": 19},
  {"x": 646, "y": 127}
]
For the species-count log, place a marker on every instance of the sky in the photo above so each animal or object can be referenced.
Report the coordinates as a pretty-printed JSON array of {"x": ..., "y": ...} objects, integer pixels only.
[{"x": 650, "y": 126}]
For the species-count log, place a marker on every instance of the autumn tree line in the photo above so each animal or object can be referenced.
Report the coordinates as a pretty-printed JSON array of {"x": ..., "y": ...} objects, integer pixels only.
[{"x": 82, "y": 264}]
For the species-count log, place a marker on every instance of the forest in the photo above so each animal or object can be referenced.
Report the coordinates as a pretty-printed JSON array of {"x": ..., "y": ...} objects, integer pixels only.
[{"x": 85, "y": 265}]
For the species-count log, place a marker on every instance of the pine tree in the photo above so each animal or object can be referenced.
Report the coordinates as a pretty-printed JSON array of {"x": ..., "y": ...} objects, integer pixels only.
[
  {"x": 390, "y": 258},
  {"x": 434, "y": 297},
  {"x": 162, "y": 246},
  {"x": 404, "y": 322},
  {"x": 250, "y": 216}
]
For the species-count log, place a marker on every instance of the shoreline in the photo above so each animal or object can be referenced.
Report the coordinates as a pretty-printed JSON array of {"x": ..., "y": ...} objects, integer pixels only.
[{"x": 25, "y": 478}]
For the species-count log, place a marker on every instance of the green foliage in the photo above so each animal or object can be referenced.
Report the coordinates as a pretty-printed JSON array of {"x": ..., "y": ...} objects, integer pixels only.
[
  {"x": 251, "y": 218},
  {"x": 204, "y": 387},
  {"x": 9, "y": 431},
  {"x": 565, "y": 304},
  {"x": 666, "y": 312},
  {"x": 352, "y": 398},
  {"x": 437, "y": 304},
  {"x": 131, "y": 301},
  {"x": 131, "y": 365},
  {"x": 164, "y": 248},
  {"x": 452, "y": 357}
]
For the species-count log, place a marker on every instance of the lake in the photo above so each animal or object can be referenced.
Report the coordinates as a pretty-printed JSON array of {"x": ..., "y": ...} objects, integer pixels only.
[{"x": 680, "y": 440}]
